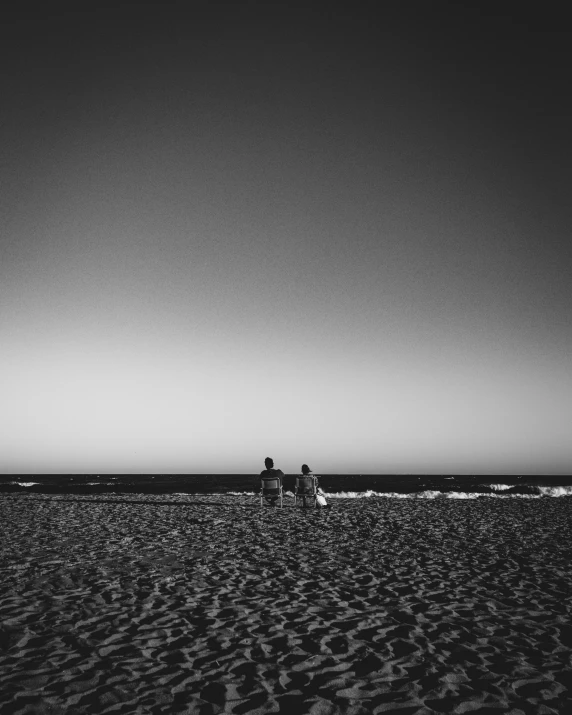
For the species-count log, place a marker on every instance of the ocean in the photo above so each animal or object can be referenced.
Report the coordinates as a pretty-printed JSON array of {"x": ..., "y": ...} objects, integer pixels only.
[{"x": 356, "y": 486}]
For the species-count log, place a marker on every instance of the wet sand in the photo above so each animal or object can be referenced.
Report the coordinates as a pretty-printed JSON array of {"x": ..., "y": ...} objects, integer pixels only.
[{"x": 209, "y": 604}]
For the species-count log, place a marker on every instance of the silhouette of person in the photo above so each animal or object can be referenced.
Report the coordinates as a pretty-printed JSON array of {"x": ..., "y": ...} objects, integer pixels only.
[
  {"x": 321, "y": 500},
  {"x": 274, "y": 473}
]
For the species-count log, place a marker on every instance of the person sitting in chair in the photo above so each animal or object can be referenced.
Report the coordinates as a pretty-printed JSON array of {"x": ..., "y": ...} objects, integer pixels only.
[
  {"x": 320, "y": 497},
  {"x": 275, "y": 474}
]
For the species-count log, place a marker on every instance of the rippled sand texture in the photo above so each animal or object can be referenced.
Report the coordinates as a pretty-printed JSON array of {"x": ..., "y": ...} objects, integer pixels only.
[{"x": 181, "y": 604}]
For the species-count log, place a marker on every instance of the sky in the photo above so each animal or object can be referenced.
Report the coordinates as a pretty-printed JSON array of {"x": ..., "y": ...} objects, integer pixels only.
[{"x": 321, "y": 234}]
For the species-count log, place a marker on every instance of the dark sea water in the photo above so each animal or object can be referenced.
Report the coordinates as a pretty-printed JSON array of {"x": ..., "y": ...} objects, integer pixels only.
[{"x": 334, "y": 485}]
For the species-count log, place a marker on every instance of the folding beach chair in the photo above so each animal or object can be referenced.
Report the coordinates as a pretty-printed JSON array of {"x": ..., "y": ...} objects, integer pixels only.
[
  {"x": 306, "y": 489},
  {"x": 270, "y": 488}
]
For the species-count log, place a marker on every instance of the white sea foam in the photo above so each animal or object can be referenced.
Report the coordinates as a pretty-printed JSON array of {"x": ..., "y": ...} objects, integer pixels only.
[
  {"x": 432, "y": 494},
  {"x": 24, "y": 484},
  {"x": 498, "y": 487},
  {"x": 555, "y": 491},
  {"x": 428, "y": 494},
  {"x": 470, "y": 495},
  {"x": 362, "y": 495}
]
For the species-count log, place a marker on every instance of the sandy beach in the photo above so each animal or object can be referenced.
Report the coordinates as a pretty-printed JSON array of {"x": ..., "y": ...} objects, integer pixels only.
[{"x": 210, "y": 604}]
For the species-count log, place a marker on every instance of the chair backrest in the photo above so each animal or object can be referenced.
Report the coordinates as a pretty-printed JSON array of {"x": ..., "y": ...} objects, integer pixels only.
[
  {"x": 270, "y": 483},
  {"x": 306, "y": 485}
]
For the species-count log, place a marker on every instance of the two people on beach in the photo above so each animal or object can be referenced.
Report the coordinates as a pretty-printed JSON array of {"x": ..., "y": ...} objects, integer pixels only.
[{"x": 271, "y": 472}]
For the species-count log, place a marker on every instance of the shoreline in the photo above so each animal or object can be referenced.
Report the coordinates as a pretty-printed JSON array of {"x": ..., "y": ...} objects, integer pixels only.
[{"x": 335, "y": 485}]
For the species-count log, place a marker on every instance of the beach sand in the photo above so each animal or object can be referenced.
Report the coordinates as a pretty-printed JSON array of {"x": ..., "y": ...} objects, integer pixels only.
[{"x": 210, "y": 604}]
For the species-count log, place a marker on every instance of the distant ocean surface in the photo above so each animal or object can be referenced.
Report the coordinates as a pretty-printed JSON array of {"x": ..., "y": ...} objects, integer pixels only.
[{"x": 356, "y": 486}]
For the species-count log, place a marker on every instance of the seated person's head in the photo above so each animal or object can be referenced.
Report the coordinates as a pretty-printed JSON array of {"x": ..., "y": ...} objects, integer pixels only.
[
  {"x": 306, "y": 469},
  {"x": 268, "y": 462}
]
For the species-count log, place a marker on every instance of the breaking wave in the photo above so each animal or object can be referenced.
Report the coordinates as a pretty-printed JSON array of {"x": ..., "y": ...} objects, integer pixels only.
[
  {"x": 537, "y": 493},
  {"x": 429, "y": 494},
  {"x": 555, "y": 491},
  {"x": 339, "y": 488}
]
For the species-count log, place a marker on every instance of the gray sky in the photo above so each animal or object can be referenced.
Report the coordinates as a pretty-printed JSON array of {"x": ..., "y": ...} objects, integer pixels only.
[{"x": 230, "y": 231}]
